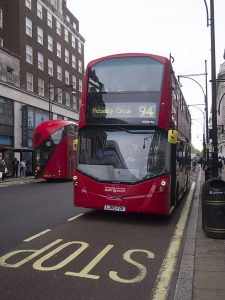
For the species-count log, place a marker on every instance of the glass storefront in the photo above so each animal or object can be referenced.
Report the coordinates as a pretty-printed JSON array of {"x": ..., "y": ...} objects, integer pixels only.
[{"x": 6, "y": 122}]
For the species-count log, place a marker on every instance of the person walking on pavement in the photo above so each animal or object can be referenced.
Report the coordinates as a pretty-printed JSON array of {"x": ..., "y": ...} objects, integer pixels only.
[
  {"x": 194, "y": 164},
  {"x": 15, "y": 167},
  {"x": 220, "y": 166},
  {"x": 23, "y": 168},
  {"x": 2, "y": 169}
]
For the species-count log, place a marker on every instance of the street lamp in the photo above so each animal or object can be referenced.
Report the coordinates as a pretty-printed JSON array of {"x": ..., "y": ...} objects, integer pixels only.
[
  {"x": 205, "y": 93},
  {"x": 195, "y": 105},
  {"x": 63, "y": 87},
  {"x": 210, "y": 22}
]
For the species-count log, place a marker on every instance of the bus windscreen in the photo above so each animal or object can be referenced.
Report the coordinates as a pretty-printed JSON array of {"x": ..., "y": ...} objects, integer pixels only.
[{"x": 123, "y": 155}]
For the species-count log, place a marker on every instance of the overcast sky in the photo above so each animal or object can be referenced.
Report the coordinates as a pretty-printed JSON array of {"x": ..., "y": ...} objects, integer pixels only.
[{"x": 159, "y": 27}]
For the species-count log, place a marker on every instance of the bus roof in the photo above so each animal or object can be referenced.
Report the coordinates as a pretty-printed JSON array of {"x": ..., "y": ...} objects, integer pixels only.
[
  {"x": 156, "y": 57},
  {"x": 48, "y": 127}
]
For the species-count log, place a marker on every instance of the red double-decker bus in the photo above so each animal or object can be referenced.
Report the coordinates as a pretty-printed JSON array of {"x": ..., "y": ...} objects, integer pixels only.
[
  {"x": 55, "y": 143},
  {"x": 134, "y": 152}
]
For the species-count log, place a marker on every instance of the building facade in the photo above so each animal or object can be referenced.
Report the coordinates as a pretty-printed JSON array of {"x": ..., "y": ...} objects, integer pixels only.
[
  {"x": 41, "y": 70},
  {"x": 221, "y": 110}
]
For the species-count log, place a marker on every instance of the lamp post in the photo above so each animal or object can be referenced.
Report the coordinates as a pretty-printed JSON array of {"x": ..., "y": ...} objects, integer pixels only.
[
  {"x": 213, "y": 78},
  {"x": 210, "y": 22},
  {"x": 63, "y": 87},
  {"x": 205, "y": 93},
  {"x": 204, "y": 127}
]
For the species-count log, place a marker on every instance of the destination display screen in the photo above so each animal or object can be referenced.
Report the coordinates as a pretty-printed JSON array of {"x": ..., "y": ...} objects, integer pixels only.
[
  {"x": 137, "y": 108},
  {"x": 124, "y": 111}
]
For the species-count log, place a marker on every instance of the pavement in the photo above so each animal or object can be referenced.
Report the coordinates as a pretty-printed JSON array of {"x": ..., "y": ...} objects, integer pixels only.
[
  {"x": 18, "y": 180},
  {"x": 202, "y": 270}
]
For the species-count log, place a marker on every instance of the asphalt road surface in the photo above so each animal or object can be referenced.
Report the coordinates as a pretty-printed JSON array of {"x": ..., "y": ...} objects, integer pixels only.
[{"x": 52, "y": 250}]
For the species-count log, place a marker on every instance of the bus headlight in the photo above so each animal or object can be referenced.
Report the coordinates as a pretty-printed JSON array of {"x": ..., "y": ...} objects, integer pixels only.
[
  {"x": 75, "y": 180},
  {"x": 162, "y": 187}
]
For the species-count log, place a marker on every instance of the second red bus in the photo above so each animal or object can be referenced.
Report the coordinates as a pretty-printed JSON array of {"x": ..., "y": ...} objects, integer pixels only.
[{"x": 55, "y": 143}]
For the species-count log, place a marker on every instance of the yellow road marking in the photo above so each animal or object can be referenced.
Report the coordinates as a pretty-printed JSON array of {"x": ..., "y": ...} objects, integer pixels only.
[
  {"x": 75, "y": 217},
  {"x": 36, "y": 235},
  {"x": 164, "y": 277}
]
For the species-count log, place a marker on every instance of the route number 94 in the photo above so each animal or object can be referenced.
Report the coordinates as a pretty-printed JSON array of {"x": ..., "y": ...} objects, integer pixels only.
[{"x": 147, "y": 111}]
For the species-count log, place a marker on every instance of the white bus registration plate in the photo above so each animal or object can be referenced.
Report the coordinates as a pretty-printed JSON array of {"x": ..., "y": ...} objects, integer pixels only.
[{"x": 115, "y": 208}]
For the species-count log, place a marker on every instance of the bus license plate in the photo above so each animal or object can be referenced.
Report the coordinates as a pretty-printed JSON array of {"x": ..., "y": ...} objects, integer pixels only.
[{"x": 115, "y": 208}]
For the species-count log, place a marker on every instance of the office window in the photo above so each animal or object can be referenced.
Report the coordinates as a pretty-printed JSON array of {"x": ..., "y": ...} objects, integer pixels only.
[
  {"x": 49, "y": 19},
  {"x": 59, "y": 52},
  {"x": 41, "y": 85},
  {"x": 59, "y": 72},
  {"x": 73, "y": 61},
  {"x": 67, "y": 99},
  {"x": 66, "y": 35},
  {"x": 40, "y": 61},
  {"x": 28, "y": 3},
  {"x": 1, "y": 18},
  {"x": 29, "y": 78},
  {"x": 1, "y": 42},
  {"x": 73, "y": 41},
  {"x": 39, "y": 10},
  {"x": 68, "y": 19},
  {"x": 67, "y": 77},
  {"x": 51, "y": 92},
  {"x": 80, "y": 66},
  {"x": 28, "y": 27},
  {"x": 50, "y": 67},
  {"x": 67, "y": 56},
  {"x": 74, "y": 25},
  {"x": 74, "y": 81},
  {"x": 74, "y": 102},
  {"x": 59, "y": 92},
  {"x": 40, "y": 35},
  {"x": 58, "y": 27},
  {"x": 79, "y": 47},
  {"x": 29, "y": 54},
  {"x": 80, "y": 85},
  {"x": 50, "y": 43},
  {"x": 9, "y": 74}
]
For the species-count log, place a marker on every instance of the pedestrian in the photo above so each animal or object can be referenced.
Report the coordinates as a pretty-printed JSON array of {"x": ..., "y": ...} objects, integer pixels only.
[
  {"x": 220, "y": 166},
  {"x": 2, "y": 169},
  {"x": 194, "y": 163},
  {"x": 15, "y": 167},
  {"x": 23, "y": 168}
]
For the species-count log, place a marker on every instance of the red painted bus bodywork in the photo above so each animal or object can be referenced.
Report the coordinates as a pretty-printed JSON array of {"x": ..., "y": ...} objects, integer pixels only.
[
  {"x": 144, "y": 197},
  {"x": 59, "y": 165},
  {"x": 150, "y": 196}
]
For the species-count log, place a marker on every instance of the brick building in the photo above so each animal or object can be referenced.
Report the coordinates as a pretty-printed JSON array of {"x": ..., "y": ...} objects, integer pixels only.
[{"x": 41, "y": 70}]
